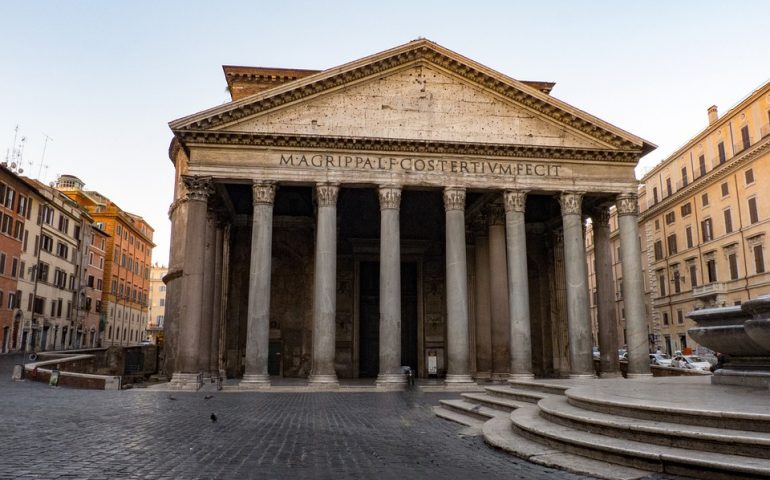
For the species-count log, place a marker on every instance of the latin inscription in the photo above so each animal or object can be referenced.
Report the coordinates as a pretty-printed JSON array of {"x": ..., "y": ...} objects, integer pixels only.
[{"x": 412, "y": 164}]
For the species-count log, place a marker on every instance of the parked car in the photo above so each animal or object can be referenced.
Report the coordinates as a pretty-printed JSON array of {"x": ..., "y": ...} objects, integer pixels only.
[
  {"x": 661, "y": 359},
  {"x": 696, "y": 362}
]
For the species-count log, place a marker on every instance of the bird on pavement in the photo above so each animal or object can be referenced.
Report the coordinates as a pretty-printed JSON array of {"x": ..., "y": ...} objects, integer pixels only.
[
  {"x": 208, "y": 397},
  {"x": 213, "y": 418}
]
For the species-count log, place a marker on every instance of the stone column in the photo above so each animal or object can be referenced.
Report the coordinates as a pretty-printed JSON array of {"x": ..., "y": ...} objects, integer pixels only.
[
  {"x": 204, "y": 355},
  {"x": 518, "y": 285},
  {"x": 186, "y": 371},
  {"x": 633, "y": 286},
  {"x": 390, "y": 288},
  {"x": 457, "y": 287},
  {"x": 578, "y": 321},
  {"x": 258, "y": 324},
  {"x": 325, "y": 288},
  {"x": 498, "y": 294},
  {"x": 216, "y": 314},
  {"x": 605, "y": 293},
  {"x": 483, "y": 311}
]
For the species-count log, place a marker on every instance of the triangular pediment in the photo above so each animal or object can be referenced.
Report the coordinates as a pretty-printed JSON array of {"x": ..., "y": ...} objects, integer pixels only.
[{"x": 419, "y": 91}]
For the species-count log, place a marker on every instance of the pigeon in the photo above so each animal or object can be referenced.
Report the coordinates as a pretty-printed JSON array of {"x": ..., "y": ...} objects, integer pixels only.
[
  {"x": 213, "y": 418},
  {"x": 171, "y": 398},
  {"x": 208, "y": 397}
]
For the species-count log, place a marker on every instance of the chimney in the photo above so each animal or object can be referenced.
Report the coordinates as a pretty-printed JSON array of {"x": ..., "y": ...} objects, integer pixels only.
[{"x": 713, "y": 115}]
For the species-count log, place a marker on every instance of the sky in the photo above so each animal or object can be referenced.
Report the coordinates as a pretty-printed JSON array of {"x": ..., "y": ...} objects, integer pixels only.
[{"x": 102, "y": 79}]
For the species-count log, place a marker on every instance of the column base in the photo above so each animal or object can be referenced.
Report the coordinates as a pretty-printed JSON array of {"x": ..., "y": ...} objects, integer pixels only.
[
  {"x": 483, "y": 376},
  {"x": 186, "y": 381},
  {"x": 254, "y": 381},
  {"x": 500, "y": 377},
  {"x": 610, "y": 375},
  {"x": 325, "y": 381},
  {"x": 390, "y": 380},
  {"x": 515, "y": 377},
  {"x": 581, "y": 376},
  {"x": 454, "y": 379},
  {"x": 638, "y": 375}
]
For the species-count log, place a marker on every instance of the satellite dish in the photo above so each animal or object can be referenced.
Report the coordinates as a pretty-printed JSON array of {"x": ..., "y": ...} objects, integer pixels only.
[
  {"x": 13, "y": 165},
  {"x": 21, "y": 170}
]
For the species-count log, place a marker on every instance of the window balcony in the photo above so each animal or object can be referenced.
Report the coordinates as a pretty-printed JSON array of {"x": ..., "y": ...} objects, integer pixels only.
[{"x": 709, "y": 290}]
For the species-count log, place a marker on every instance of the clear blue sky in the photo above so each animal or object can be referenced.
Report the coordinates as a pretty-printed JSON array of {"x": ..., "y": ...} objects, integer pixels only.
[{"x": 103, "y": 78}]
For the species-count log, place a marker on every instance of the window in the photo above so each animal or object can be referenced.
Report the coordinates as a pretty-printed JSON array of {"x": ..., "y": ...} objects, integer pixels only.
[
  {"x": 7, "y": 225},
  {"x": 704, "y": 199},
  {"x": 658, "y": 250},
  {"x": 46, "y": 214},
  {"x": 42, "y": 275},
  {"x": 90, "y": 281},
  {"x": 711, "y": 268},
  {"x": 22, "y": 266},
  {"x": 46, "y": 243},
  {"x": 728, "y": 221},
  {"x": 759, "y": 259},
  {"x": 18, "y": 230},
  {"x": 9, "y": 195},
  {"x": 162, "y": 302},
  {"x": 679, "y": 317},
  {"x": 684, "y": 177},
  {"x": 722, "y": 156},
  {"x": 654, "y": 194},
  {"x": 14, "y": 266},
  {"x": 693, "y": 275},
  {"x": 98, "y": 283},
  {"x": 60, "y": 278},
  {"x": 702, "y": 164},
  {"x": 745, "y": 139},
  {"x": 162, "y": 288},
  {"x": 39, "y": 305},
  {"x": 671, "y": 240},
  {"x": 2, "y": 263},
  {"x": 657, "y": 224},
  {"x": 62, "y": 250},
  {"x": 668, "y": 187},
  {"x": 688, "y": 236},
  {"x": 725, "y": 189},
  {"x": 686, "y": 209},
  {"x": 670, "y": 218},
  {"x": 64, "y": 224},
  {"x": 677, "y": 282},
  {"x": 665, "y": 318},
  {"x": 706, "y": 230},
  {"x": 753, "y": 214},
  {"x": 661, "y": 283},
  {"x": 11, "y": 299},
  {"x": 749, "y": 174},
  {"x": 732, "y": 259}
]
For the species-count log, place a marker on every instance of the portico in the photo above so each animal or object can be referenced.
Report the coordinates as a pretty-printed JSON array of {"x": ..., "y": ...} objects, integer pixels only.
[{"x": 338, "y": 209}]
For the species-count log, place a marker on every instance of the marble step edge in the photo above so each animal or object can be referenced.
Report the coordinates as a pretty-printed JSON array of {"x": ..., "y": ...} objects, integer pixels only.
[
  {"x": 539, "y": 386},
  {"x": 499, "y": 403},
  {"x": 515, "y": 394},
  {"x": 660, "y": 432},
  {"x": 456, "y": 417},
  {"x": 472, "y": 409},
  {"x": 656, "y": 458},
  {"x": 497, "y": 433},
  {"x": 732, "y": 420}
]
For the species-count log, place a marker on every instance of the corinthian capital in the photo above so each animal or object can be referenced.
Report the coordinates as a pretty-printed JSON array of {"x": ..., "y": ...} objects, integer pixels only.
[
  {"x": 454, "y": 198},
  {"x": 198, "y": 188},
  {"x": 600, "y": 216},
  {"x": 263, "y": 192},
  {"x": 627, "y": 204},
  {"x": 390, "y": 197},
  {"x": 515, "y": 200},
  {"x": 326, "y": 194},
  {"x": 571, "y": 203},
  {"x": 496, "y": 214}
]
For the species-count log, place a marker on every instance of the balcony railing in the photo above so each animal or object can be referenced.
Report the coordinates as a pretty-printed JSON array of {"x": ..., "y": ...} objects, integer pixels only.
[{"x": 710, "y": 289}]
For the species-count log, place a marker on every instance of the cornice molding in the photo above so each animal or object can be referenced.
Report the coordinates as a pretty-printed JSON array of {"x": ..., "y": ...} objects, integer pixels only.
[
  {"x": 327, "y": 142},
  {"x": 416, "y": 52},
  {"x": 714, "y": 175}
]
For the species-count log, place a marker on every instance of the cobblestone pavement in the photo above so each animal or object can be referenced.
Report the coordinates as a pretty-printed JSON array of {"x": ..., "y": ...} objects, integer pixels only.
[{"x": 51, "y": 433}]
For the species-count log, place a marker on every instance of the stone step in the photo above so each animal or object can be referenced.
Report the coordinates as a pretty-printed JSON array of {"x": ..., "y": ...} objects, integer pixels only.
[
  {"x": 455, "y": 416},
  {"x": 684, "y": 413},
  {"x": 498, "y": 433},
  {"x": 501, "y": 404},
  {"x": 539, "y": 386},
  {"x": 470, "y": 408},
  {"x": 505, "y": 391},
  {"x": 659, "y": 432},
  {"x": 529, "y": 423}
]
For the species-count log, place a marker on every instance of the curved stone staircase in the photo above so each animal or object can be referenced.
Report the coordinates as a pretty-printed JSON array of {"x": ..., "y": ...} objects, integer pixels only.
[{"x": 620, "y": 429}]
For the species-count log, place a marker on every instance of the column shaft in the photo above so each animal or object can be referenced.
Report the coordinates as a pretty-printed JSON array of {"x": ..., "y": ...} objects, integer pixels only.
[
  {"x": 498, "y": 274},
  {"x": 204, "y": 355},
  {"x": 518, "y": 285},
  {"x": 390, "y": 287},
  {"x": 483, "y": 311},
  {"x": 457, "y": 287},
  {"x": 605, "y": 293},
  {"x": 633, "y": 287},
  {"x": 325, "y": 288},
  {"x": 186, "y": 371},
  {"x": 216, "y": 314},
  {"x": 576, "y": 273},
  {"x": 258, "y": 317}
]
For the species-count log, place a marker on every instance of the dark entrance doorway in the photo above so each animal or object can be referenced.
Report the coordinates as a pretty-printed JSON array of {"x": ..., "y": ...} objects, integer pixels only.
[{"x": 369, "y": 317}]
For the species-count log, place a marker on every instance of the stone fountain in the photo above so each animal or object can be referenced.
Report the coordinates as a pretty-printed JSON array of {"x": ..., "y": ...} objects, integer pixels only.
[{"x": 743, "y": 334}]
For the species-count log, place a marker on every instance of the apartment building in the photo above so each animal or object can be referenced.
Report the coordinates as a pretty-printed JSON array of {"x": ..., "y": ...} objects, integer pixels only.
[{"x": 157, "y": 303}]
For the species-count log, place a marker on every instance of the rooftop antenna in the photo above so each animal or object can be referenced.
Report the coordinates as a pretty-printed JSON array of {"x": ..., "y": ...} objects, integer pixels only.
[
  {"x": 15, "y": 157},
  {"x": 42, "y": 158}
]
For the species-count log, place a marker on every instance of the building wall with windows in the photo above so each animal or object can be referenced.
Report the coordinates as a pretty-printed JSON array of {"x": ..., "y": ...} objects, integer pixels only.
[
  {"x": 157, "y": 303},
  {"x": 92, "y": 262},
  {"x": 128, "y": 254},
  {"x": 707, "y": 219}
]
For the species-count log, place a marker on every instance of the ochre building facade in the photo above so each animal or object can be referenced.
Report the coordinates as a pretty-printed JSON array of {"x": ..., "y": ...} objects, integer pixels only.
[{"x": 411, "y": 208}]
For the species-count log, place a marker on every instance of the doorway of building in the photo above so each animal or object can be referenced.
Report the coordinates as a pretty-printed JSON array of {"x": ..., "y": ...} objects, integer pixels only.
[{"x": 369, "y": 317}]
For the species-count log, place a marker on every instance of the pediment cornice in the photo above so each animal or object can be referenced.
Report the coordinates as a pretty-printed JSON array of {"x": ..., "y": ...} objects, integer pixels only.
[
  {"x": 327, "y": 142},
  {"x": 219, "y": 118}
]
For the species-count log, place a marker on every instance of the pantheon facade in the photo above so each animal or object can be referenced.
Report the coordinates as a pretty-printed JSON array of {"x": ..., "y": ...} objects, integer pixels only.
[{"x": 410, "y": 208}]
